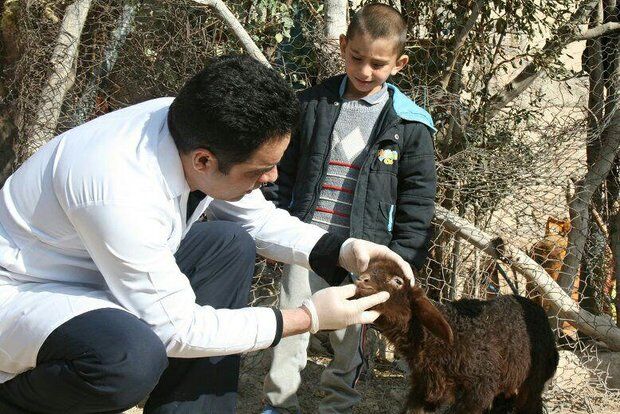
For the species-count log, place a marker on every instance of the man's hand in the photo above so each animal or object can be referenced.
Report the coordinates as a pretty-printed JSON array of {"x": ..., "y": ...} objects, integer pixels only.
[
  {"x": 330, "y": 308},
  {"x": 356, "y": 255}
]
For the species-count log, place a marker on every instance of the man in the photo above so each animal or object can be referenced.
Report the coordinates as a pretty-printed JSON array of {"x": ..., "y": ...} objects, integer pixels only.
[{"x": 108, "y": 290}]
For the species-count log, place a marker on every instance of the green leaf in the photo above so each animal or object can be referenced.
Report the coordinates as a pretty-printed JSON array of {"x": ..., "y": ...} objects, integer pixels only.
[{"x": 279, "y": 37}]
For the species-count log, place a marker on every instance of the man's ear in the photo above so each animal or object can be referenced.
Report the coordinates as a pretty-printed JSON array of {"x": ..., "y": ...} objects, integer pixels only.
[
  {"x": 203, "y": 160},
  {"x": 400, "y": 63},
  {"x": 430, "y": 317}
]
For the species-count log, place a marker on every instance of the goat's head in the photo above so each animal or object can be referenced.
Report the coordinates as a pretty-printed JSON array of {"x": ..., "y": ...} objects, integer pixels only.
[{"x": 405, "y": 301}]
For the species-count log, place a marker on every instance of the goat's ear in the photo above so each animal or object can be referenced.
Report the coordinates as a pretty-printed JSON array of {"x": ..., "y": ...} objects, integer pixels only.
[{"x": 430, "y": 317}]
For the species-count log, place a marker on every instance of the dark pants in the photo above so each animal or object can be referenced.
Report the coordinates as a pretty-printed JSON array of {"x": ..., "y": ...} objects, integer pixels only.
[{"x": 106, "y": 360}]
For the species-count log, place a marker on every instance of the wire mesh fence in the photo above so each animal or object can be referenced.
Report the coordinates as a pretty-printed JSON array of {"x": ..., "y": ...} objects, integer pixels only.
[{"x": 535, "y": 168}]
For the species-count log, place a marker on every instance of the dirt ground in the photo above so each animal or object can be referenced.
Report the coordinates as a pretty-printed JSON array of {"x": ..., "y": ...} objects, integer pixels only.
[{"x": 382, "y": 391}]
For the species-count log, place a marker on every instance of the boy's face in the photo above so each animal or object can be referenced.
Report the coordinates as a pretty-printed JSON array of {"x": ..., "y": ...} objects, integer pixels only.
[{"x": 369, "y": 62}]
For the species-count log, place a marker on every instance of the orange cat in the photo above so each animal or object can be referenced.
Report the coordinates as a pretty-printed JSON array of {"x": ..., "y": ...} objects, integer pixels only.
[{"x": 549, "y": 253}]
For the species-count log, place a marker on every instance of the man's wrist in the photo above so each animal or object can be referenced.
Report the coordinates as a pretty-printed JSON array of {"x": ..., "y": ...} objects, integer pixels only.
[
  {"x": 324, "y": 259},
  {"x": 295, "y": 321}
]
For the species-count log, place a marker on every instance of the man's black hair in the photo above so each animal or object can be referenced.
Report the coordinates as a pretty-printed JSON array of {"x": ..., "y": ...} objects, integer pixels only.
[{"x": 232, "y": 107}]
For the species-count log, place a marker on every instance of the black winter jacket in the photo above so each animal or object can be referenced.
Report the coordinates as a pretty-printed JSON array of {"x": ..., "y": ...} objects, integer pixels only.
[{"x": 393, "y": 203}]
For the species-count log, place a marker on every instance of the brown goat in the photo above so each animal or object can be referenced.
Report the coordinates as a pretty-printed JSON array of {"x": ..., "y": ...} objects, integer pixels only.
[{"x": 477, "y": 356}]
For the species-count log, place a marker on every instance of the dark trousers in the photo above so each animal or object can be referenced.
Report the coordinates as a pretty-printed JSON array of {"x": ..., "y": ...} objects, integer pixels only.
[{"x": 106, "y": 360}]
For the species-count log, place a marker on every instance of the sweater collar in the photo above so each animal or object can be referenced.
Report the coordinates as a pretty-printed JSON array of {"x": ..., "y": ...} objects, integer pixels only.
[
  {"x": 403, "y": 106},
  {"x": 373, "y": 99}
]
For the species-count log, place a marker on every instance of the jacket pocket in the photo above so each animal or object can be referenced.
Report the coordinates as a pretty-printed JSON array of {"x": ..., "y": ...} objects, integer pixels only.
[
  {"x": 386, "y": 215},
  {"x": 384, "y": 222}
]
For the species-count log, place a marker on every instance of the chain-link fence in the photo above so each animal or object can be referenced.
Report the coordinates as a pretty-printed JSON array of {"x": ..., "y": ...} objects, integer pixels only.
[{"x": 528, "y": 161}]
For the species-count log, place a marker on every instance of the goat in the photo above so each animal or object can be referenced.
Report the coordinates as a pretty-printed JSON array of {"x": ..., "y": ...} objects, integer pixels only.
[{"x": 478, "y": 356}]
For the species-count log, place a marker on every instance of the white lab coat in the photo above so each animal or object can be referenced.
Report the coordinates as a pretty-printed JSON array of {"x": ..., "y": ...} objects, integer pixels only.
[{"x": 93, "y": 220}]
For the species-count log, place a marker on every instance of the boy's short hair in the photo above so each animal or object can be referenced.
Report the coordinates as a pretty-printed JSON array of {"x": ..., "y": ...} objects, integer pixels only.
[
  {"x": 232, "y": 107},
  {"x": 379, "y": 21}
]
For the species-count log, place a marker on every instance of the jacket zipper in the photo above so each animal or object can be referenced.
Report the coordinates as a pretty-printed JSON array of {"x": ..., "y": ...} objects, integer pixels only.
[{"x": 317, "y": 188}]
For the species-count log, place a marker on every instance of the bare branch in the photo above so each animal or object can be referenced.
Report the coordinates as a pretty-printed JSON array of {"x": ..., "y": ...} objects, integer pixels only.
[
  {"x": 598, "y": 31},
  {"x": 60, "y": 80},
  {"x": 592, "y": 325},
  {"x": 459, "y": 41},
  {"x": 599, "y": 222},
  {"x": 231, "y": 21},
  {"x": 533, "y": 69}
]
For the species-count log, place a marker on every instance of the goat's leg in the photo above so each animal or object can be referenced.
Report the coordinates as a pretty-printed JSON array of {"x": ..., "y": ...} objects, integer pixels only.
[
  {"x": 461, "y": 409},
  {"x": 531, "y": 405},
  {"x": 502, "y": 405},
  {"x": 414, "y": 404},
  {"x": 529, "y": 397},
  {"x": 417, "y": 403},
  {"x": 469, "y": 402},
  {"x": 413, "y": 411}
]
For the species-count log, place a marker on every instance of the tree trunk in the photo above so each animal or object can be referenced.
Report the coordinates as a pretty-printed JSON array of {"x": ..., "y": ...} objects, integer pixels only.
[
  {"x": 336, "y": 13},
  {"x": 9, "y": 54},
  {"x": 611, "y": 74},
  {"x": 124, "y": 24},
  {"x": 591, "y": 266},
  {"x": 614, "y": 233},
  {"x": 579, "y": 204}
]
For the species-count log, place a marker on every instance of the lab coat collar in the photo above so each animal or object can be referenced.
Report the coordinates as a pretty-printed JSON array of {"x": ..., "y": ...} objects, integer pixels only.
[{"x": 170, "y": 164}]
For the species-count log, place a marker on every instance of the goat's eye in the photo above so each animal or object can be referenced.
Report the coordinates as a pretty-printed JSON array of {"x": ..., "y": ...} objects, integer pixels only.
[{"x": 397, "y": 281}]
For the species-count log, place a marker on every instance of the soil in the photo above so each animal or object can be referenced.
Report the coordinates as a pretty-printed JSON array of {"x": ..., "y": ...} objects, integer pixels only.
[{"x": 383, "y": 390}]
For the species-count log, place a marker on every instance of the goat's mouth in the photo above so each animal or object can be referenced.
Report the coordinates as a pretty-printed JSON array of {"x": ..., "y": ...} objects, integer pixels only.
[{"x": 363, "y": 290}]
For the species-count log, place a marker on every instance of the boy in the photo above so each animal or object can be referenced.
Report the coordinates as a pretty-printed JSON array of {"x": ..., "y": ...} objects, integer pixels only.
[{"x": 361, "y": 165}]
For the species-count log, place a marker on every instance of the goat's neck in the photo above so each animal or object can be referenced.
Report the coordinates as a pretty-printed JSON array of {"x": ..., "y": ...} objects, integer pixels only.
[{"x": 406, "y": 336}]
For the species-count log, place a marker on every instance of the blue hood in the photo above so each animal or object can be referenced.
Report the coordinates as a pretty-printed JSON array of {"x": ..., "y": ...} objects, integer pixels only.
[{"x": 408, "y": 110}]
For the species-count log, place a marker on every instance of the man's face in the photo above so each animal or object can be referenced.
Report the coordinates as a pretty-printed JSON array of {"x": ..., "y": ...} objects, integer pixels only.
[
  {"x": 203, "y": 173},
  {"x": 368, "y": 63}
]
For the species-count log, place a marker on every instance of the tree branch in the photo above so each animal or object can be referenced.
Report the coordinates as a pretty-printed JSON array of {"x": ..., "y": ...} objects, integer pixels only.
[
  {"x": 565, "y": 35},
  {"x": 598, "y": 31},
  {"x": 592, "y": 325},
  {"x": 227, "y": 17},
  {"x": 60, "y": 80},
  {"x": 459, "y": 41}
]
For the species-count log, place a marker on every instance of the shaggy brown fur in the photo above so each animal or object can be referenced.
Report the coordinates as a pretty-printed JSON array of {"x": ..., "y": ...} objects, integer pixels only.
[{"x": 478, "y": 356}]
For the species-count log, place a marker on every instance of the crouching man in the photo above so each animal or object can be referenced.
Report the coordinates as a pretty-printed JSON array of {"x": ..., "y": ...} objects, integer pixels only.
[{"x": 110, "y": 290}]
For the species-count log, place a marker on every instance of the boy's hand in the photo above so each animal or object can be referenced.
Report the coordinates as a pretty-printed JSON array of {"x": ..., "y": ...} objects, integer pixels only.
[
  {"x": 356, "y": 255},
  {"x": 330, "y": 308}
]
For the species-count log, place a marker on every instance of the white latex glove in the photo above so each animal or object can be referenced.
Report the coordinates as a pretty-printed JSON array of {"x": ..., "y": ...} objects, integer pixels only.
[
  {"x": 356, "y": 255},
  {"x": 330, "y": 308}
]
